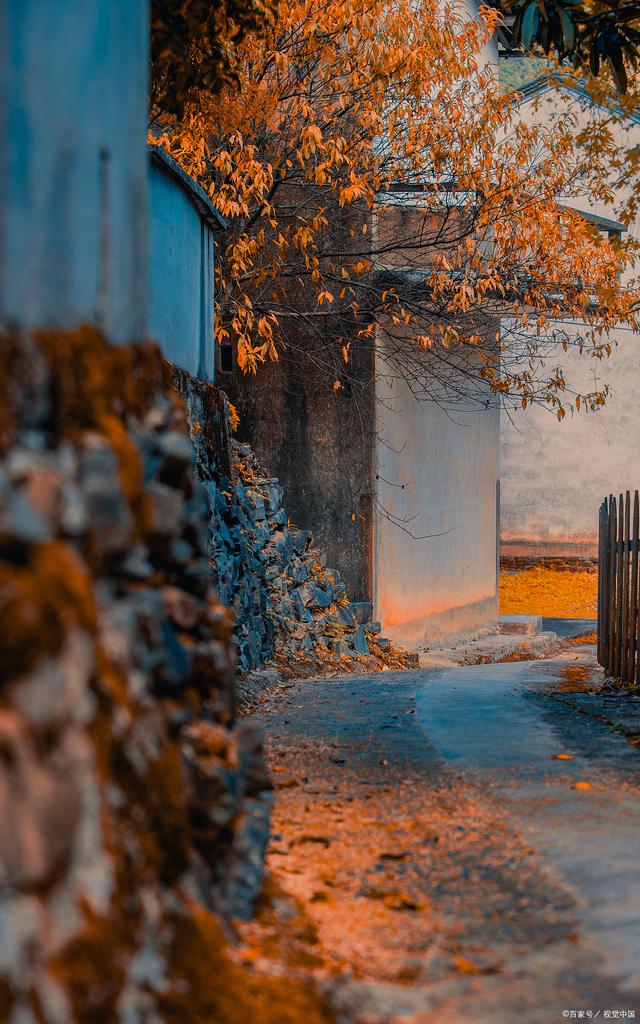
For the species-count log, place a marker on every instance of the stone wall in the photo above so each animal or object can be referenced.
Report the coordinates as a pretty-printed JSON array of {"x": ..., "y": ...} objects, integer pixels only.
[
  {"x": 134, "y": 809},
  {"x": 289, "y": 607}
]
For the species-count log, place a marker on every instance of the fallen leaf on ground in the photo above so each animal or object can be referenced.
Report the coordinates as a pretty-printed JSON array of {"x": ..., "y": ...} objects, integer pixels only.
[
  {"x": 469, "y": 967},
  {"x": 394, "y": 899},
  {"x": 319, "y": 897},
  {"x": 311, "y": 839},
  {"x": 287, "y": 784}
]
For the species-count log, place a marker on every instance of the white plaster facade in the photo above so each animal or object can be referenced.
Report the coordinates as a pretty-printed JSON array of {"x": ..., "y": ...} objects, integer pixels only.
[
  {"x": 435, "y": 515},
  {"x": 436, "y": 505},
  {"x": 554, "y": 474}
]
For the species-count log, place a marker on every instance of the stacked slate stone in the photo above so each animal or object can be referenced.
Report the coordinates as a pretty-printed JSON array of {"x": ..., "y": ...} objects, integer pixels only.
[
  {"x": 132, "y": 805},
  {"x": 305, "y": 607},
  {"x": 287, "y": 604}
]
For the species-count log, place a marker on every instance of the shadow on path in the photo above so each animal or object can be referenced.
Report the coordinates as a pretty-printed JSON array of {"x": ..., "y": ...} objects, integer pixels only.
[{"x": 451, "y": 867}]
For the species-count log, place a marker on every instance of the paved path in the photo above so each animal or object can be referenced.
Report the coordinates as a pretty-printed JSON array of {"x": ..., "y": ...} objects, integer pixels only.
[
  {"x": 445, "y": 854},
  {"x": 569, "y": 627}
]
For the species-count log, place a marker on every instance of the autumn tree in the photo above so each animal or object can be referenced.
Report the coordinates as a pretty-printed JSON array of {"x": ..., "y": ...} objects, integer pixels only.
[
  {"x": 190, "y": 51},
  {"x": 380, "y": 191},
  {"x": 591, "y": 36}
]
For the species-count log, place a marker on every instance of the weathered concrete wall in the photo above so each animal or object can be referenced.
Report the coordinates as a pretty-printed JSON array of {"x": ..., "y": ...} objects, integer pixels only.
[
  {"x": 73, "y": 174},
  {"x": 555, "y": 475},
  {"x": 181, "y": 263},
  {"x": 435, "y": 514},
  {"x": 319, "y": 444}
]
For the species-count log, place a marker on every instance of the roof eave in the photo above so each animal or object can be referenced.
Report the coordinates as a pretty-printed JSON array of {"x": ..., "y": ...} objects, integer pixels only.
[{"x": 196, "y": 193}]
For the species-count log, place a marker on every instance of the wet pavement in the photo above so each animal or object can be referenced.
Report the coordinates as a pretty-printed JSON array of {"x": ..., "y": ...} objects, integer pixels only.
[
  {"x": 568, "y": 627},
  {"x": 455, "y": 867}
]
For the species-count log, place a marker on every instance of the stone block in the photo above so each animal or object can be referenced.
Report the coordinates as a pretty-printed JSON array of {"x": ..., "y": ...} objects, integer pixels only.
[
  {"x": 300, "y": 540},
  {"x": 300, "y": 572},
  {"x": 167, "y": 509},
  {"x": 307, "y": 592},
  {"x": 257, "y": 503},
  {"x": 362, "y": 611},
  {"x": 281, "y": 541},
  {"x": 346, "y": 616},
  {"x": 273, "y": 494},
  {"x": 520, "y": 625},
  {"x": 321, "y": 599},
  {"x": 108, "y": 514},
  {"x": 136, "y": 564},
  {"x": 360, "y": 641},
  {"x": 21, "y": 520},
  {"x": 175, "y": 444}
]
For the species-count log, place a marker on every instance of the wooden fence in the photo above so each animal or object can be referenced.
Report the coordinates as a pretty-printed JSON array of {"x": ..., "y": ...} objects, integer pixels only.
[{"x": 618, "y": 599}]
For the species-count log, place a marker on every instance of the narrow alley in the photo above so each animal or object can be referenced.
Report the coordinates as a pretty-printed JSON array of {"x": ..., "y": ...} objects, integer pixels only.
[{"x": 319, "y": 511}]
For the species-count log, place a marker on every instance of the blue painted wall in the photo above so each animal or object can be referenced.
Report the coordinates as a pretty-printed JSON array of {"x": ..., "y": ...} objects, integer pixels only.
[
  {"x": 181, "y": 254},
  {"x": 73, "y": 165}
]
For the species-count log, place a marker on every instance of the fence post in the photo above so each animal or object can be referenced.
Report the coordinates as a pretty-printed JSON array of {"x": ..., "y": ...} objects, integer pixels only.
[
  {"x": 626, "y": 565},
  {"x": 619, "y": 590},
  {"x": 633, "y": 603},
  {"x": 611, "y": 612},
  {"x": 602, "y": 576}
]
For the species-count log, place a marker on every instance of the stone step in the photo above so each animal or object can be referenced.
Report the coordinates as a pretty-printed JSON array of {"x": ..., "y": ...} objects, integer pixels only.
[{"x": 520, "y": 625}]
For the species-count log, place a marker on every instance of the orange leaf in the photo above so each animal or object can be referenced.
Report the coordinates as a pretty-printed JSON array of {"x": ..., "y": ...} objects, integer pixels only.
[{"x": 469, "y": 967}]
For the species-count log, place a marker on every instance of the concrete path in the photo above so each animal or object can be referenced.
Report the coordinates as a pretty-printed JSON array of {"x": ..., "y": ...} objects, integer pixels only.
[
  {"x": 569, "y": 627},
  {"x": 455, "y": 868}
]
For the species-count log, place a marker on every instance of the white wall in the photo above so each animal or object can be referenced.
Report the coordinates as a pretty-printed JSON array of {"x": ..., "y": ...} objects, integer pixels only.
[
  {"x": 554, "y": 475},
  {"x": 73, "y": 175},
  {"x": 181, "y": 253},
  {"x": 437, "y": 473}
]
